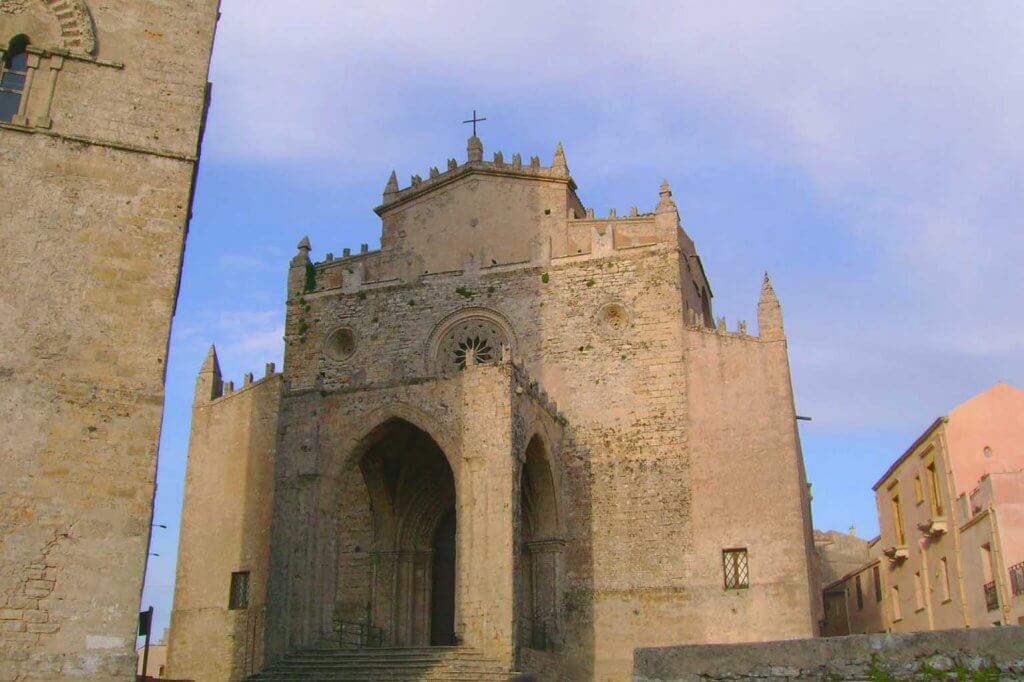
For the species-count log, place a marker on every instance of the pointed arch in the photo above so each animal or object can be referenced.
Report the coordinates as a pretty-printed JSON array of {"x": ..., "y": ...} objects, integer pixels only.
[{"x": 77, "y": 31}]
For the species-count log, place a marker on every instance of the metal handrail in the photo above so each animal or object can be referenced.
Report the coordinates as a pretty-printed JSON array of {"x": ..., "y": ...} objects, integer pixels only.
[{"x": 352, "y": 634}]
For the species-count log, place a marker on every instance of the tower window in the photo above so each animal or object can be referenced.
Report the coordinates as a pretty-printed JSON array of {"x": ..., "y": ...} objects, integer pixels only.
[
  {"x": 734, "y": 565},
  {"x": 13, "y": 73},
  {"x": 239, "y": 596}
]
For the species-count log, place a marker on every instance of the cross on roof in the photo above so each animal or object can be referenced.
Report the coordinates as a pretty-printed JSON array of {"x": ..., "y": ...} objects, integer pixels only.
[{"x": 474, "y": 121}]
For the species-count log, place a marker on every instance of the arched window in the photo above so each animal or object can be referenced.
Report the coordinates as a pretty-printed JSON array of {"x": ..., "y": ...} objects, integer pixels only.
[{"x": 13, "y": 72}]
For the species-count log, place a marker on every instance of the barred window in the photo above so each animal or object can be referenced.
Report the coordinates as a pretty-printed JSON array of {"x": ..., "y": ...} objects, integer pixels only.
[
  {"x": 734, "y": 565},
  {"x": 239, "y": 597}
]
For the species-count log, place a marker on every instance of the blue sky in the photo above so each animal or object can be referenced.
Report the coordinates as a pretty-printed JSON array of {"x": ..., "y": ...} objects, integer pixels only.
[{"x": 869, "y": 156}]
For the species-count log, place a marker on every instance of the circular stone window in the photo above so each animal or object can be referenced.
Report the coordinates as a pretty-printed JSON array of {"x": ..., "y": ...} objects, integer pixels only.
[
  {"x": 613, "y": 316},
  {"x": 340, "y": 344},
  {"x": 479, "y": 333}
]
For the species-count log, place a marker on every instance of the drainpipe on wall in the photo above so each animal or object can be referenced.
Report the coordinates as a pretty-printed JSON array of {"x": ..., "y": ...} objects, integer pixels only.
[
  {"x": 955, "y": 523},
  {"x": 999, "y": 569}
]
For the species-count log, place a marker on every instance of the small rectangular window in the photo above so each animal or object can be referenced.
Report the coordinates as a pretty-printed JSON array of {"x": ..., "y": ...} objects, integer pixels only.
[
  {"x": 878, "y": 584},
  {"x": 897, "y": 520},
  {"x": 933, "y": 490},
  {"x": 896, "y": 611},
  {"x": 239, "y": 597},
  {"x": 918, "y": 592},
  {"x": 734, "y": 565},
  {"x": 944, "y": 578},
  {"x": 860, "y": 594},
  {"x": 918, "y": 490}
]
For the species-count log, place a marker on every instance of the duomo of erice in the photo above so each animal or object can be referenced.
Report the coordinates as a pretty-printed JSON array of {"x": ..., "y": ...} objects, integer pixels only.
[{"x": 517, "y": 429}]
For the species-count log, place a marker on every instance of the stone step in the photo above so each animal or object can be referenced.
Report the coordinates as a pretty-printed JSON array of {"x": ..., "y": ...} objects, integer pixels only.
[{"x": 427, "y": 664}]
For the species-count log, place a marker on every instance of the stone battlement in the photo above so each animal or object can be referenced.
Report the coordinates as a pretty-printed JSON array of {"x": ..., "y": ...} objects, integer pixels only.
[{"x": 558, "y": 170}]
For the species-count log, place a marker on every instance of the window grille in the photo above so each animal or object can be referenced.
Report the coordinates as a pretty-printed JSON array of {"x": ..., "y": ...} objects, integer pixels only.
[
  {"x": 1017, "y": 578},
  {"x": 734, "y": 565},
  {"x": 991, "y": 596},
  {"x": 239, "y": 597}
]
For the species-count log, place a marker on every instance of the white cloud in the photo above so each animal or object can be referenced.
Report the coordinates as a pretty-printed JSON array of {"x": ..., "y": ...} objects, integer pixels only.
[{"x": 904, "y": 116}]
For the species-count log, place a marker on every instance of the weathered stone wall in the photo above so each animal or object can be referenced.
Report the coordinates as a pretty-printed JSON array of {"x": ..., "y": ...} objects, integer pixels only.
[
  {"x": 471, "y": 417},
  {"x": 990, "y": 654},
  {"x": 229, "y": 496},
  {"x": 612, "y": 319},
  {"x": 97, "y": 176}
]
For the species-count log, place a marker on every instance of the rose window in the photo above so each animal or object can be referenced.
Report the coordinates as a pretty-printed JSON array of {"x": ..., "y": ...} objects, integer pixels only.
[
  {"x": 483, "y": 354},
  {"x": 479, "y": 336}
]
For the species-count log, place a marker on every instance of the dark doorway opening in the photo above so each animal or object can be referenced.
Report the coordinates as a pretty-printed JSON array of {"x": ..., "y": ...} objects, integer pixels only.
[{"x": 442, "y": 604}]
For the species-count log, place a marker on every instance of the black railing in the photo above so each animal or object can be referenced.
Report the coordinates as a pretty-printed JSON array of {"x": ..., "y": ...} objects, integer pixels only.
[
  {"x": 1017, "y": 578},
  {"x": 991, "y": 596},
  {"x": 352, "y": 635}
]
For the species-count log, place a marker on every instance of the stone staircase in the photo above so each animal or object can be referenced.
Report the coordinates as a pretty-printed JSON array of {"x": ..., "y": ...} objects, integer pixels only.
[{"x": 434, "y": 664}]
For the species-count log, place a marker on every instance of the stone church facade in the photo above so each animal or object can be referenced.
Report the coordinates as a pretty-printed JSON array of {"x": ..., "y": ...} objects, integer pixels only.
[
  {"x": 516, "y": 428},
  {"x": 101, "y": 112}
]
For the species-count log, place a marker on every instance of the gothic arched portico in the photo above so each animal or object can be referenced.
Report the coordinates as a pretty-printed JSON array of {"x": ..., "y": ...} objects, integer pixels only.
[
  {"x": 410, "y": 492},
  {"x": 540, "y": 546}
]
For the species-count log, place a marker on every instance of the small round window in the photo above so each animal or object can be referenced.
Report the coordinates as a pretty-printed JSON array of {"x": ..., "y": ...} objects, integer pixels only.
[
  {"x": 613, "y": 316},
  {"x": 987, "y": 451},
  {"x": 340, "y": 344}
]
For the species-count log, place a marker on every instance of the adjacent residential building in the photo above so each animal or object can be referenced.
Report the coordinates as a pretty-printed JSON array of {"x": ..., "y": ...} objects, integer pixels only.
[
  {"x": 951, "y": 515},
  {"x": 854, "y": 602}
]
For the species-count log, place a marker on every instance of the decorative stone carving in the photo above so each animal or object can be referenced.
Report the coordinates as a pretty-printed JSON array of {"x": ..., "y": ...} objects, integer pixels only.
[
  {"x": 613, "y": 316},
  {"x": 13, "y": 6},
  {"x": 478, "y": 335},
  {"x": 76, "y": 27},
  {"x": 340, "y": 344}
]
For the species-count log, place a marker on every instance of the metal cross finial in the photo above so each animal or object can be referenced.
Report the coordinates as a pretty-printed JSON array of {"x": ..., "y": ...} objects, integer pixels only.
[{"x": 474, "y": 121}]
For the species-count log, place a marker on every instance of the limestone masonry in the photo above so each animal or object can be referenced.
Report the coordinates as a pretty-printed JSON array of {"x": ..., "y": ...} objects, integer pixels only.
[
  {"x": 516, "y": 428},
  {"x": 101, "y": 110}
]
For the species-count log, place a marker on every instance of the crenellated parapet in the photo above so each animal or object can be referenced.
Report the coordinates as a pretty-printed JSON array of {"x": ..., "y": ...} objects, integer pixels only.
[
  {"x": 475, "y": 163},
  {"x": 211, "y": 386},
  {"x": 769, "y": 319},
  {"x": 580, "y": 235}
]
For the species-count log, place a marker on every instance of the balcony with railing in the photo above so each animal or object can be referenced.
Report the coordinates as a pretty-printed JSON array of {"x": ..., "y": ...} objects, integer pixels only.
[
  {"x": 1017, "y": 579},
  {"x": 991, "y": 596}
]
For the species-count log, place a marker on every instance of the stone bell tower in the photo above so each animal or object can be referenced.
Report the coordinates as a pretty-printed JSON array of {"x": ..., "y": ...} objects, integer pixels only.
[{"x": 101, "y": 113}]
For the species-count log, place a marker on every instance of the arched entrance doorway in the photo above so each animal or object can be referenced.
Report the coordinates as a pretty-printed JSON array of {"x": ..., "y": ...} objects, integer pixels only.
[
  {"x": 411, "y": 494},
  {"x": 540, "y": 547}
]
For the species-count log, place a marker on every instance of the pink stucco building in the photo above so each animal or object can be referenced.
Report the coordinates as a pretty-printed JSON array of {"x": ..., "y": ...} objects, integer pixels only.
[{"x": 951, "y": 520}]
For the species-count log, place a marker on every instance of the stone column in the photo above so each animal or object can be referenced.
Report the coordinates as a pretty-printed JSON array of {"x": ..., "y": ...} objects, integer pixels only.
[{"x": 485, "y": 541}]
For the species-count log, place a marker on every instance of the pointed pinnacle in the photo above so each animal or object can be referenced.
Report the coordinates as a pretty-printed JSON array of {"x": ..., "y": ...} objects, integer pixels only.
[
  {"x": 392, "y": 185},
  {"x": 666, "y": 189},
  {"x": 304, "y": 244},
  {"x": 767, "y": 290},
  {"x": 210, "y": 364},
  {"x": 558, "y": 162}
]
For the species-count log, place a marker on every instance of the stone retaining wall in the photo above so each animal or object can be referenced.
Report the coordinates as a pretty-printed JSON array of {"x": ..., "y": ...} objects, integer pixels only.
[{"x": 989, "y": 654}]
